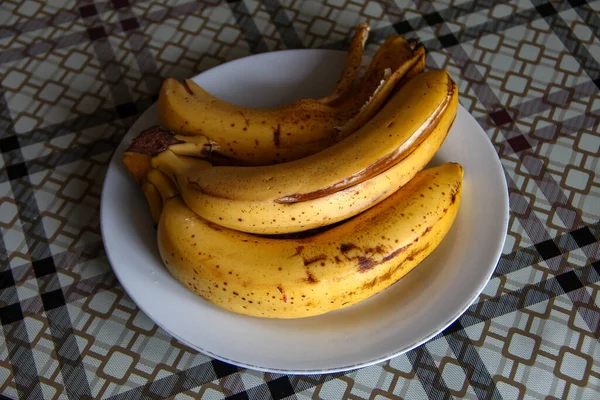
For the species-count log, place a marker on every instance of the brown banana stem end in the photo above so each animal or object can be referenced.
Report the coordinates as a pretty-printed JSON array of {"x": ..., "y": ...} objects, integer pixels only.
[{"x": 153, "y": 141}]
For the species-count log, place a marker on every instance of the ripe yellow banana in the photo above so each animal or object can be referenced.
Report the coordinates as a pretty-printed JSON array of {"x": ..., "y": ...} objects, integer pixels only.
[
  {"x": 351, "y": 66},
  {"x": 294, "y": 278},
  {"x": 334, "y": 184},
  {"x": 394, "y": 59},
  {"x": 273, "y": 135}
]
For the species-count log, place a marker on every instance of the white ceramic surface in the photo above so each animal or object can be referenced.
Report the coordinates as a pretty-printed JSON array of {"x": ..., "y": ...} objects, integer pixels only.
[{"x": 406, "y": 315}]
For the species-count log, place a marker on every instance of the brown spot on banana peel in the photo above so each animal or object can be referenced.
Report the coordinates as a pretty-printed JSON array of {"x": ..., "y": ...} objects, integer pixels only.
[
  {"x": 395, "y": 254},
  {"x": 413, "y": 43},
  {"x": 153, "y": 141},
  {"x": 186, "y": 87},
  {"x": 276, "y": 135},
  {"x": 388, "y": 275},
  {"x": 346, "y": 247},
  {"x": 298, "y": 251},
  {"x": 245, "y": 119},
  {"x": 365, "y": 263},
  {"x": 310, "y": 278},
  {"x": 380, "y": 165},
  {"x": 280, "y": 290},
  {"x": 453, "y": 195},
  {"x": 375, "y": 250},
  {"x": 312, "y": 260}
]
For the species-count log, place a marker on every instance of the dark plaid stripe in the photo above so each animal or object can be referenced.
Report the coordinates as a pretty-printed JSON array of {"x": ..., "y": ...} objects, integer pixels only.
[
  {"x": 101, "y": 117},
  {"x": 44, "y": 268},
  {"x": 139, "y": 45},
  {"x": 42, "y": 47},
  {"x": 521, "y": 207},
  {"x": 557, "y": 99},
  {"x": 537, "y": 169},
  {"x": 248, "y": 27},
  {"x": 530, "y": 160},
  {"x": 145, "y": 61},
  {"x": 58, "y": 158},
  {"x": 565, "y": 243},
  {"x": 83, "y": 288},
  {"x": 448, "y": 39},
  {"x": 175, "y": 383},
  {"x": 52, "y": 296},
  {"x": 24, "y": 370},
  {"x": 63, "y": 16},
  {"x": 10, "y": 146},
  {"x": 527, "y": 296},
  {"x": 402, "y": 25},
  {"x": 554, "y": 252},
  {"x": 283, "y": 24},
  {"x": 104, "y": 116},
  {"x": 129, "y": 109},
  {"x": 72, "y": 39},
  {"x": 588, "y": 15},
  {"x": 111, "y": 69},
  {"x": 277, "y": 386},
  {"x": 546, "y": 249},
  {"x": 473, "y": 367},
  {"x": 11, "y": 315},
  {"x": 570, "y": 283},
  {"x": 407, "y": 27},
  {"x": 428, "y": 373},
  {"x": 26, "y": 376},
  {"x": 30, "y": 25},
  {"x": 464, "y": 350},
  {"x": 569, "y": 40},
  {"x": 276, "y": 389}
]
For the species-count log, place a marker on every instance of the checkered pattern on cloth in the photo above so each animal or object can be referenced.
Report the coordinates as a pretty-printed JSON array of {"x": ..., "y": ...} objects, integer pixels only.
[{"x": 76, "y": 74}]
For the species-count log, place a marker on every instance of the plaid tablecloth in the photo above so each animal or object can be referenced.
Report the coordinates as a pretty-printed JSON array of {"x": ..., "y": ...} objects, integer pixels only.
[{"x": 76, "y": 74}]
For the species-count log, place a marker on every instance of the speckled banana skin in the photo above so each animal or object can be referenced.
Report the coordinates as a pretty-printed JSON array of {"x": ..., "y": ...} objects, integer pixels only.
[
  {"x": 263, "y": 136},
  {"x": 334, "y": 184},
  {"x": 295, "y": 278}
]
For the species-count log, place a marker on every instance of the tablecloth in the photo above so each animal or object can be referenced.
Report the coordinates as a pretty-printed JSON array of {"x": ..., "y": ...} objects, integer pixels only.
[{"x": 75, "y": 75}]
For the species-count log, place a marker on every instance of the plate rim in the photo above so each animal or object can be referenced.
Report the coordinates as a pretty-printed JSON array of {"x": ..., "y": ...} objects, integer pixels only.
[{"x": 299, "y": 371}]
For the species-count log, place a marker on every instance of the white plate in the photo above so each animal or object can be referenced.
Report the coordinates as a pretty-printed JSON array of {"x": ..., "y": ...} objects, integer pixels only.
[{"x": 406, "y": 315}]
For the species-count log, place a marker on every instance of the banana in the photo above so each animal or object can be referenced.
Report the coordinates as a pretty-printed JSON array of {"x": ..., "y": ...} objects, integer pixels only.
[
  {"x": 270, "y": 217},
  {"x": 334, "y": 184},
  {"x": 138, "y": 164},
  {"x": 389, "y": 58},
  {"x": 262, "y": 136},
  {"x": 351, "y": 66},
  {"x": 295, "y": 278}
]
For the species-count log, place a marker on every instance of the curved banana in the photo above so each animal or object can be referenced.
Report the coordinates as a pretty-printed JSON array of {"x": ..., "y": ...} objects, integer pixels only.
[
  {"x": 294, "y": 278},
  {"x": 271, "y": 217},
  {"x": 393, "y": 55},
  {"x": 334, "y": 184},
  {"x": 351, "y": 66},
  {"x": 262, "y": 136}
]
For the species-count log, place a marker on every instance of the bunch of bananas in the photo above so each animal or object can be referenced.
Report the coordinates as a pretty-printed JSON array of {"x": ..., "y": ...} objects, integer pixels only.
[{"x": 310, "y": 207}]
